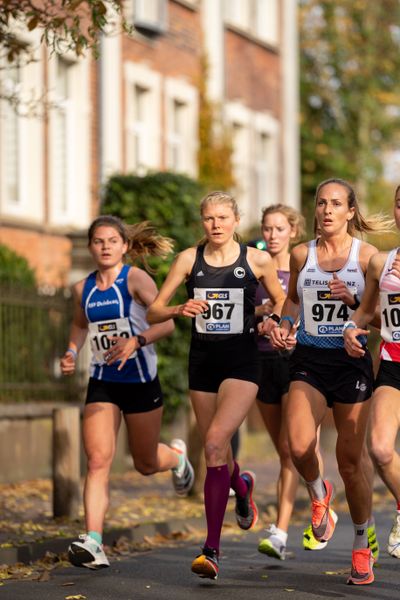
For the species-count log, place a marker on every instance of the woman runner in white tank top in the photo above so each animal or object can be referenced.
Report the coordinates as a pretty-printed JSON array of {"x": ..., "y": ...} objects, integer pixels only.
[{"x": 326, "y": 279}]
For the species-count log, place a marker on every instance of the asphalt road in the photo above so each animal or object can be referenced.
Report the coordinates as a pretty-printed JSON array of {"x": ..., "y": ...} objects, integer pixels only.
[{"x": 164, "y": 573}]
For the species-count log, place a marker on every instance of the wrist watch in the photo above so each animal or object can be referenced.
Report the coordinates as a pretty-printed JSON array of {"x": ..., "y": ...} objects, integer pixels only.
[
  {"x": 141, "y": 340},
  {"x": 356, "y": 303},
  {"x": 274, "y": 317}
]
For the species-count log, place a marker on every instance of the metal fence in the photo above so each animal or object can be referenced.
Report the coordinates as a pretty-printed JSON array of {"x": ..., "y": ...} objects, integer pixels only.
[{"x": 34, "y": 332}]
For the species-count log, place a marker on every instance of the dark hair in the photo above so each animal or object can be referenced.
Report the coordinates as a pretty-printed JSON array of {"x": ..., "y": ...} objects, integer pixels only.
[
  {"x": 142, "y": 238},
  {"x": 374, "y": 224}
]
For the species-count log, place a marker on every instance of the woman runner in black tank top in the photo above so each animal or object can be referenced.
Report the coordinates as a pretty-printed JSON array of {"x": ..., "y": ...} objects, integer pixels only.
[{"x": 221, "y": 278}]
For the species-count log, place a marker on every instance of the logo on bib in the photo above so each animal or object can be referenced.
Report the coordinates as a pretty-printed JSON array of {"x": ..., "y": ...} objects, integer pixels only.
[
  {"x": 218, "y": 295},
  {"x": 239, "y": 272},
  {"x": 103, "y": 327},
  {"x": 394, "y": 298},
  {"x": 396, "y": 336},
  {"x": 218, "y": 327}
]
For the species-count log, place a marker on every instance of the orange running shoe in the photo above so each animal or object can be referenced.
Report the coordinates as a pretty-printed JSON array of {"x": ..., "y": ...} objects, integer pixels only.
[
  {"x": 362, "y": 562},
  {"x": 323, "y": 520},
  {"x": 206, "y": 564}
]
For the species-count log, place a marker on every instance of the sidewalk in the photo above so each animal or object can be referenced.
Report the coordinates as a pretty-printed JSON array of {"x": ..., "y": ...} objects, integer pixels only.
[{"x": 141, "y": 507}]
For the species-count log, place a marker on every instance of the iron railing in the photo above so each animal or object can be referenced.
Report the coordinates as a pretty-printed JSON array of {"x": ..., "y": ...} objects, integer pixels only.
[{"x": 33, "y": 335}]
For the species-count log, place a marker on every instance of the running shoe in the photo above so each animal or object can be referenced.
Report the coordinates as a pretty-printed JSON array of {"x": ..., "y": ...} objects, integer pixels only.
[
  {"x": 394, "y": 538},
  {"x": 206, "y": 563},
  {"x": 246, "y": 510},
  {"x": 309, "y": 541},
  {"x": 373, "y": 541},
  {"x": 322, "y": 519},
  {"x": 273, "y": 545},
  {"x": 361, "y": 567},
  {"x": 86, "y": 552},
  {"x": 182, "y": 477}
]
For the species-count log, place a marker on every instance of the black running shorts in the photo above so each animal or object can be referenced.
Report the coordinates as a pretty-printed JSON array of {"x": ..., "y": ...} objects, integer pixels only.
[
  {"x": 210, "y": 363},
  {"x": 274, "y": 377},
  {"x": 388, "y": 374},
  {"x": 338, "y": 376},
  {"x": 129, "y": 397}
]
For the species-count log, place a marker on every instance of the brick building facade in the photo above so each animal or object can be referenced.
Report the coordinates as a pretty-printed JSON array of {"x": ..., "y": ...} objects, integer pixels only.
[{"x": 136, "y": 109}]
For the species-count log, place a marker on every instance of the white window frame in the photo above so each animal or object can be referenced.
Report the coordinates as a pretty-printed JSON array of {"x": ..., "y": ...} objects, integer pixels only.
[
  {"x": 143, "y": 19},
  {"x": 266, "y": 21},
  {"x": 239, "y": 115},
  {"x": 76, "y": 110},
  {"x": 186, "y": 141},
  {"x": 140, "y": 76},
  {"x": 268, "y": 166},
  {"x": 28, "y": 203},
  {"x": 258, "y": 18}
]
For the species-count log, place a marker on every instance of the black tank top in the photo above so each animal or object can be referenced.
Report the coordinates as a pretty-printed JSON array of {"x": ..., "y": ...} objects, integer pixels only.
[{"x": 230, "y": 292}]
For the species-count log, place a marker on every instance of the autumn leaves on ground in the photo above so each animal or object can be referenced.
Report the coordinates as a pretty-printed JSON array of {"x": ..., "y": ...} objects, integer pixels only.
[{"x": 26, "y": 517}]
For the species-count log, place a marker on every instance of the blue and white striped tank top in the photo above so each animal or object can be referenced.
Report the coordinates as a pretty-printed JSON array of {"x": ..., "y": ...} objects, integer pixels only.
[
  {"x": 114, "y": 312},
  {"x": 322, "y": 317}
]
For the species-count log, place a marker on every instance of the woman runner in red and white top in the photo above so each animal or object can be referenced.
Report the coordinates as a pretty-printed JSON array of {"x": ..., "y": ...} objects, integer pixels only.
[{"x": 383, "y": 278}]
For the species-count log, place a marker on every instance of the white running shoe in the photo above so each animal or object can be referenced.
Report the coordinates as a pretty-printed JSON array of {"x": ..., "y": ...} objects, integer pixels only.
[
  {"x": 86, "y": 552},
  {"x": 273, "y": 545},
  {"x": 393, "y": 547},
  {"x": 183, "y": 477}
]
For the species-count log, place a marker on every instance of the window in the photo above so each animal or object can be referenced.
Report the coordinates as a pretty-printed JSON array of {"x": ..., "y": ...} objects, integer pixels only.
[
  {"x": 266, "y": 21},
  {"x": 143, "y": 114},
  {"x": 138, "y": 139},
  {"x": 257, "y": 17},
  {"x": 60, "y": 132},
  {"x": 238, "y": 12},
  {"x": 175, "y": 159},
  {"x": 181, "y": 112},
  {"x": 10, "y": 124},
  {"x": 150, "y": 16},
  {"x": 261, "y": 168},
  {"x": 69, "y": 141}
]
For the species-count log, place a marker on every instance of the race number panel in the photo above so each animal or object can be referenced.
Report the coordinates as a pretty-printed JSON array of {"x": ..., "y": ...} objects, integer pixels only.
[
  {"x": 324, "y": 315},
  {"x": 390, "y": 316},
  {"x": 101, "y": 330},
  {"x": 225, "y": 310}
]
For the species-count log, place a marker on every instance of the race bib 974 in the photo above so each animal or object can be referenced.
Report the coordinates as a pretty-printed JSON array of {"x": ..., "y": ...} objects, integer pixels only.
[{"x": 324, "y": 315}]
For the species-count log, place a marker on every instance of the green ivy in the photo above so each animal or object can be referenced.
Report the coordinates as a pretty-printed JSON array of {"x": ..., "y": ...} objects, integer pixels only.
[{"x": 171, "y": 203}]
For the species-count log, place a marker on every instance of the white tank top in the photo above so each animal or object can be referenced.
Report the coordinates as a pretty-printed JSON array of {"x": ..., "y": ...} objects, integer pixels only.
[{"x": 322, "y": 317}]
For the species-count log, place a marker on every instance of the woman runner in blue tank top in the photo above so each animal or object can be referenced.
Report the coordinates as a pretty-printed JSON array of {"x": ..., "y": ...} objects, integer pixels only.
[
  {"x": 326, "y": 277},
  {"x": 221, "y": 277},
  {"x": 110, "y": 308}
]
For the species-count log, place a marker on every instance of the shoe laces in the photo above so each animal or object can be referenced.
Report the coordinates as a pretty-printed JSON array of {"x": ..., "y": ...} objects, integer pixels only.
[
  {"x": 318, "y": 509},
  {"x": 361, "y": 560},
  {"x": 272, "y": 529}
]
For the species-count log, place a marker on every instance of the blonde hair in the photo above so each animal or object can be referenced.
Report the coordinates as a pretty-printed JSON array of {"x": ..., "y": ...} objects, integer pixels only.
[
  {"x": 142, "y": 238},
  {"x": 295, "y": 219},
  {"x": 377, "y": 223},
  {"x": 218, "y": 197}
]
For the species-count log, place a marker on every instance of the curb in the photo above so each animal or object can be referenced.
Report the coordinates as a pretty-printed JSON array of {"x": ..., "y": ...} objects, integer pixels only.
[{"x": 32, "y": 551}]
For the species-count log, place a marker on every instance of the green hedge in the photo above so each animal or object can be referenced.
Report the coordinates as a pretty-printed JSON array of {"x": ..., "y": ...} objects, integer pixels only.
[
  {"x": 171, "y": 203},
  {"x": 15, "y": 269}
]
